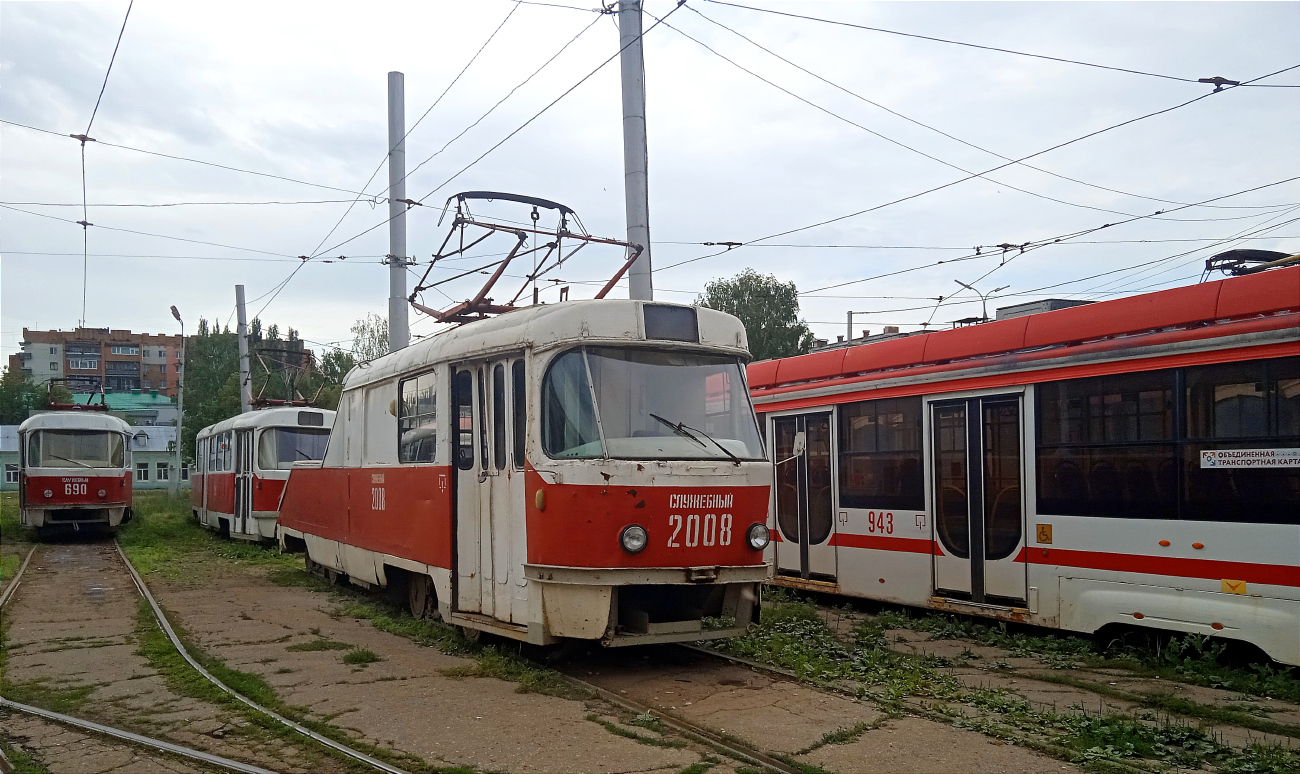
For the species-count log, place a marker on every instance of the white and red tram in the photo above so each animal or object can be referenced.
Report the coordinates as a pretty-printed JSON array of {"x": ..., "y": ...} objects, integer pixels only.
[
  {"x": 1134, "y": 461},
  {"x": 589, "y": 469},
  {"x": 74, "y": 471},
  {"x": 242, "y": 463}
]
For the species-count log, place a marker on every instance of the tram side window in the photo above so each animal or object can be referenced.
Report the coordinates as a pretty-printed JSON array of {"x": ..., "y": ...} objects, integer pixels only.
[
  {"x": 520, "y": 395},
  {"x": 1249, "y": 405},
  {"x": 417, "y": 419},
  {"x": 464, "y": 396},
  {"x": 880, "y": 454},
  {"x": 1106, "y": 446}
]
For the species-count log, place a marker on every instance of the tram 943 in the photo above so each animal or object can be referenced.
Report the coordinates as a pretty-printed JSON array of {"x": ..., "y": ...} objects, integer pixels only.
[
  {"x": 74, "y": 471},
  {"x": 1133, "y": 462},
  {"x": 588, "y": 469}
]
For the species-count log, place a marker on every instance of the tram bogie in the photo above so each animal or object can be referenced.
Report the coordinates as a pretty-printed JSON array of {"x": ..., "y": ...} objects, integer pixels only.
[
  {"x": 1131, "y": 462},
  {"x": 242, "y": 463},
  {"x": 74, "y": 471},
  {"x": 588, "y": 470}
]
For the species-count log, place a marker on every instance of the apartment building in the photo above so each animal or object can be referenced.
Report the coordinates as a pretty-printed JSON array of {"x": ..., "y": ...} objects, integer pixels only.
[{"x": 86, "y": 359}]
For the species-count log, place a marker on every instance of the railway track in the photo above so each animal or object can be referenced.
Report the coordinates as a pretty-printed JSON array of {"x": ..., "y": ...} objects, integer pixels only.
[{"x": 168, "y": 747}]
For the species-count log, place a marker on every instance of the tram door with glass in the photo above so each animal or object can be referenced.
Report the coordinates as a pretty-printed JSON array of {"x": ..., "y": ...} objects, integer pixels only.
[
  {"x": 805, "y": 518},
  {"x": 977, "y": 492},
  {"x": 491, "y": 427}
]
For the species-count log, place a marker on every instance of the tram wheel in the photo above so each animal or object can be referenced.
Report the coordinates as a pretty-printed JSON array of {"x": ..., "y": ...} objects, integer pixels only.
[
  {"x": 421, "y": 597},
  {"x": 474, "y": 636}
]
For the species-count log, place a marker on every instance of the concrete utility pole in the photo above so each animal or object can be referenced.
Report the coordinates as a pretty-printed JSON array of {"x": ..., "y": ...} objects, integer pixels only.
[
  {"x": 636, "y": 185},
  {"x": 175, "y": 485},
  {"x": 849, "y": 332},
  {"x": 245, "y": 380},
  {"x": 398, "y": 332}
]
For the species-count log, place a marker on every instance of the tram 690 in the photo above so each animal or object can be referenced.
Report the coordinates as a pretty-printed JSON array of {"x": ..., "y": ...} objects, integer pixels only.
[
  {"x": 74, "y": 471},
  {"x": 1134, "y": 461},
  {"x": 242, "y": 463}
]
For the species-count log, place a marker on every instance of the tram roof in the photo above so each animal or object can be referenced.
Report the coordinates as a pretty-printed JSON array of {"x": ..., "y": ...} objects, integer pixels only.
[
  {"x": 544, "y": 326},
  {"x": 285, "y": 416},
  {"x": 73, "y": 420},
  {"x": 1234, "y": 298}
]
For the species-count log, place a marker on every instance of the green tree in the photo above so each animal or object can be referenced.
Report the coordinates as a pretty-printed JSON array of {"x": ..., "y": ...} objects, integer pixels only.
[
  {"x": 19, "y": 395},
  {"x": 768, "y": 308},
  {"x": 370, "y": 337}
]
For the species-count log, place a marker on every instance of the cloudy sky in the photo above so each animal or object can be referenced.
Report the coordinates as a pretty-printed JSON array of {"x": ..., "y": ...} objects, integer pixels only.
[{"x": 777, "y": 125}]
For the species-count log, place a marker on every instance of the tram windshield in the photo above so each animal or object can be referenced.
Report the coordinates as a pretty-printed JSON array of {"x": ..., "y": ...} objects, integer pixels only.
[
  {"x": 75, "y": 449},
  {"x": 280, "y": 447},
  {"x": 648, "y": 404}
]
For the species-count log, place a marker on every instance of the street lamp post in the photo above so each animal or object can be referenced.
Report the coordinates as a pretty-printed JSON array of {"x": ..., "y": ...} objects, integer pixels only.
[
  {"x": 984, "y": 298},
  {"x": 180, "y": 409}
]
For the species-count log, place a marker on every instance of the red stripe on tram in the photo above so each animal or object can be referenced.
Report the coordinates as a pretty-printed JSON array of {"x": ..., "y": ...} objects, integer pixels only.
[
  {"x": 875, "y": 542},
  {"x": 1272, "y": 574}
]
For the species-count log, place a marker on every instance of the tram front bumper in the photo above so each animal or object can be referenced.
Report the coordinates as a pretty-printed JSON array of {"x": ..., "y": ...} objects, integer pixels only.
[{"x": 633, "y": 606}]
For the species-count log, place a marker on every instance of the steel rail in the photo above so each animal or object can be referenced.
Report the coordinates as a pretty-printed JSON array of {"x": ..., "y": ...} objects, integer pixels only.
[
  {"x": 13, "y": 584},
  {"x": 692, "y": 731},
  {"x": 180, "y": 648},
  {"x": 143, "y": 741}
]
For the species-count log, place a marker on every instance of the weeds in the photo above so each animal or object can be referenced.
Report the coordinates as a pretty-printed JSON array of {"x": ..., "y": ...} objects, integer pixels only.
[
  {"x": 361, "y": 657},
  {"x": 320, "y": 644},
  {"x": 628, "y": 733},
  {"x": 23, "y": 763}
]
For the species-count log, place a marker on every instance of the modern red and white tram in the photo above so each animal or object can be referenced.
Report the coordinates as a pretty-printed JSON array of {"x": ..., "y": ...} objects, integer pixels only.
[
  {"x": 1134, "y": 461},
  {"x": 588, "y": 469},
  {"x": 242, "y": 463},
  {"x": 74, "y": 471}
]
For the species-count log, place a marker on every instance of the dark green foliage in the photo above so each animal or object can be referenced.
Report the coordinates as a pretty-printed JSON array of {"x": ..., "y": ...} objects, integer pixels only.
[
  {"x": 768, "y": 308},
  {"x": 212, "y": 374},
  {"x": 361, "y": 657},
  {"x": 19, "y": 396}
]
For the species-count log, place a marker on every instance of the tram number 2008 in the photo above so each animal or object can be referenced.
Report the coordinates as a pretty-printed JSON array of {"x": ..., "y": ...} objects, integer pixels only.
[
  {"x": 709, "y": 529},
  {"x": 880, "y": 521}
]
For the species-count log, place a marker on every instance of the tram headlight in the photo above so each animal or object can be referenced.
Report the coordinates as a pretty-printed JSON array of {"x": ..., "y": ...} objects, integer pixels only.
[
  {"x": 634, "y": 538},
  {"x": 758, "y": 536},
  {"x": 49, "y": 493}
]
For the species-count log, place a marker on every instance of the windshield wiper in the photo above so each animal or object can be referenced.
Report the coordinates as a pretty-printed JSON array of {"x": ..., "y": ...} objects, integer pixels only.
[
  {"x": 683, "y": 429},
  {"x": 680, "y": 430},
  {"x": 74, "y": 462}
]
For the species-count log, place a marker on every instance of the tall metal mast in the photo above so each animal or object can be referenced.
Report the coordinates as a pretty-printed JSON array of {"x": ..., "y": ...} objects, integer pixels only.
[
  {"x": 635, "y": 180},
  {"x": 398, "y": 332}
]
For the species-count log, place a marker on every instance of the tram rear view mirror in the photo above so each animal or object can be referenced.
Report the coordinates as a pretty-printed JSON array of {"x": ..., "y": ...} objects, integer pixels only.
[{"x": 800, "y": 444}]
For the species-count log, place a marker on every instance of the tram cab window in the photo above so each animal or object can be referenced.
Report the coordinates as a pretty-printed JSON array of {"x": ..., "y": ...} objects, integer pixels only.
[
  {"x": 1106, "y": 446},
  {"x": 650, "y": 404},
  {"x": 880, "y": 454},
  {"x": 417, "y": 418},
  {"x": 568, "y": 415},
  {"x": 280, "y": 447},
  {"x": 75, "y": 449},
  {"x": 1249, "y": 405}
]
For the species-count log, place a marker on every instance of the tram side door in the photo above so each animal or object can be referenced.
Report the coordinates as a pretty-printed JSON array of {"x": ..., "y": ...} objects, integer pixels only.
[
  {"x": 804, "y": 508},
  {"x": 243, "y": 482},
  {"x": 977, "y": 459},
  {"x": 503, "y": 490}
]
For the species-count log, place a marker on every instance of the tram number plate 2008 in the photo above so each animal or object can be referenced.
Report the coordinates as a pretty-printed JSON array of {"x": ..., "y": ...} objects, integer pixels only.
[{"x": 695, "y": 529}]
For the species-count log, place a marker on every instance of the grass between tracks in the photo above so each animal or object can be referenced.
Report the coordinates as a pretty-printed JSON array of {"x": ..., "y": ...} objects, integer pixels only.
[
  {"x": 1194, "y": 659},
  {"x": 794, "y": 636},
  {"x": 23, "y": 763},
  {"x": 13, "y": 537}
]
